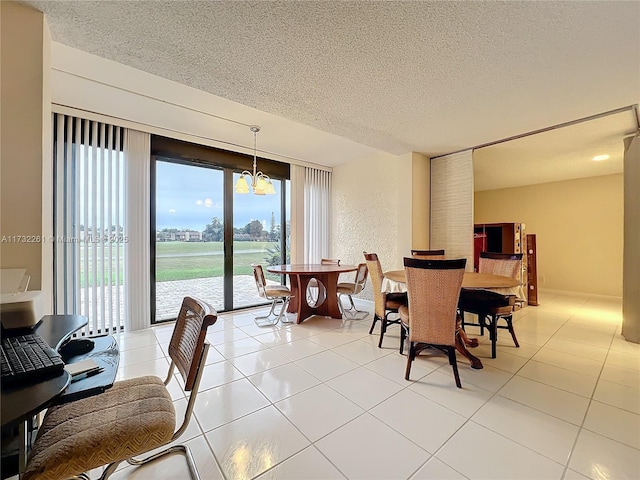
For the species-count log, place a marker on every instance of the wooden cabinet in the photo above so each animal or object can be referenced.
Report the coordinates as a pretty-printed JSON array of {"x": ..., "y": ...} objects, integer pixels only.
[{"x": 502, "y": 238}]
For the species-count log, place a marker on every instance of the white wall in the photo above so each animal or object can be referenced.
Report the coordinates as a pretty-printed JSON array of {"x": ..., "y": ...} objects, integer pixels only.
[{"x": 371, "y": 208}]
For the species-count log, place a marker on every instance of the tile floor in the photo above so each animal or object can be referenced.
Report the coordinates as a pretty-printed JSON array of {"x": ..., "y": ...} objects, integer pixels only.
[{"x": 320, "y": 400}]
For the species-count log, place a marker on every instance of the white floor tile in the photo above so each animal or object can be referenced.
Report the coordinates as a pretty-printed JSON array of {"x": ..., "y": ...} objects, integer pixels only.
[
  {"x": 218, "y": 374},
  {"x": 392, "y": 367},
  {"x": 298, "y": 349},
  {"x": 225, "y": 336},
  {"x": 578, "y": 349},
  {"x": 318, "y": 411},
  {"x": 361, "y": 352},
  {"x": 158, "y": 367},
  {"x": 364, "y": 387},
  {"x": 538, "y": 431},
  {"x": 240, "y": 347},
  {"x": 621, "y": 345},
  {"x": 442, "y": 389},
  {"x": 368, "y": 449},
  {"x": 251, "y": 445},
  {"x": 277, "y": 337},
  {"x": 175, "y": 466},
  {"x": 559, "y": 377},
  {"x": 309, "y": 464},
  {"x": 617, "y": 395},
  {"x": 488, "y": 378},
  {"x": 260, "y": 361},
  {"x": 600, "y": 458},
  {"x": 325, "y": 373},
  {"x": 436, "y": 469},
  {"x": 581, "y": 365},
  {"x": 326, "y": 365},
  {"x": 625, "y": 360},
  {"x": 621, "y": 375},
  {"x": 226, "y": 403},
  {"x": 283, "y": 381},
  {"x": 550, "y": 400},
  {"x": 477, "y": 452},
  {"x": 614, "y": 423},
  {"x": 503, "y": 361},
  {"x": 422, "y": 421},
  {"x": 334, "y": 338},
  {"x": 141, "y": 354}
]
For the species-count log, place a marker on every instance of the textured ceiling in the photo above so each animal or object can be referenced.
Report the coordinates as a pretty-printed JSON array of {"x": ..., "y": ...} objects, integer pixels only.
[{"x": 431, "y": 77}]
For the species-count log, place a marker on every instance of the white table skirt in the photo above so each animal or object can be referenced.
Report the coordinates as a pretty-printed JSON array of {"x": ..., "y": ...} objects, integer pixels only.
[{"x": 391, "y": 286}]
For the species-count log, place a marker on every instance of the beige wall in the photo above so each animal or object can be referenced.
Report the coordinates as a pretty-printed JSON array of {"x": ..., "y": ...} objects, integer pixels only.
[
  {"x": 578, "y": 226},
  {"x": 26, "y": 138}
]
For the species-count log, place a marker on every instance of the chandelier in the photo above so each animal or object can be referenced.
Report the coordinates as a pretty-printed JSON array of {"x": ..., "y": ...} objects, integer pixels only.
[{"x": 260, "y": 183}]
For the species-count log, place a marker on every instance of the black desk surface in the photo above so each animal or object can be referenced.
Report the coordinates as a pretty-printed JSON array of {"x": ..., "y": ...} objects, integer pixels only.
[{"x": 21, "y": 402}]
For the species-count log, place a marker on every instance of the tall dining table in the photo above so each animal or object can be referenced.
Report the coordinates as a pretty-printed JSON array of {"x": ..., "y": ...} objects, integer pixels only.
[
  {"x": 396, "y": 281},
  {"x": 327, "y": 277}
]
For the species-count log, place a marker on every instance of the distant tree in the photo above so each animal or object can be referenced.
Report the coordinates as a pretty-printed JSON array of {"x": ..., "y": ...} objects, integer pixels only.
[
  {"x": 214, "y": 231},
  {"x": 255, "y": 229}
]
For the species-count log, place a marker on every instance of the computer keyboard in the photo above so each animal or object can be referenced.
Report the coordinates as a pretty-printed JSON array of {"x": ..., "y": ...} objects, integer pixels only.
[{"x": 27, "y": 357}]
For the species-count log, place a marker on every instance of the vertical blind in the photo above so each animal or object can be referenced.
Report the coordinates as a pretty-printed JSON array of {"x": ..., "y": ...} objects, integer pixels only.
[
  {"x": 317, "y": 201},
  {"x": 89, "y": 222}
]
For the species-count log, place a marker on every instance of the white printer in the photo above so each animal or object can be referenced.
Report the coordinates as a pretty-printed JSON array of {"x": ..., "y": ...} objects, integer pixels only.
[{"x": 19, "y": 308}]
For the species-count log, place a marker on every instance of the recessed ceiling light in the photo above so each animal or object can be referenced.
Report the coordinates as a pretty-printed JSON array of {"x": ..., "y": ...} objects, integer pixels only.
[{"x": 599, "y": 158}]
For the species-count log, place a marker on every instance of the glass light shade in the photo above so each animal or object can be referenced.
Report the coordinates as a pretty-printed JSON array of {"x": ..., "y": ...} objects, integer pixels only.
[
  {"x": 241, "y": 185},
  {"x": 270, "y": 189},
  {"x": 261, "y": 186}
]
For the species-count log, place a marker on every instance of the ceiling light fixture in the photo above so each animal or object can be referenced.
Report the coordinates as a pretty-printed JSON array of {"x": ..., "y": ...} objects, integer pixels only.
[
  {"x": 599, "y": 158},
  {"x": 260, "y": 183}
]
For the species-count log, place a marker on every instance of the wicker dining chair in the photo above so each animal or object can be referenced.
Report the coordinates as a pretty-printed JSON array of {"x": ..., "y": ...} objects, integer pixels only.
[
  {"x": 131, "y": 418},
  {"x": 506, "y": 265},
  {"x": 384, "y": 303},
  {"x": 428, "y": 254},
  {"x": 433, "y": 288},
  {"x": 274, "y": 292},
  {"x": 353, "y": 288},
  {"x": 316, "y": 292}
]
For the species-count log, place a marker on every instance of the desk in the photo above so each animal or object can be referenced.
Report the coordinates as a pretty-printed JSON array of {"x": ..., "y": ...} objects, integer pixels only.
[
  {"x": 21, "y": 402},
  {"x": 300, "y": 275}
]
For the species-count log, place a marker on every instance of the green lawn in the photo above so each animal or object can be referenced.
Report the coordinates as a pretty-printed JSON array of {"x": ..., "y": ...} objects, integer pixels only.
[
  {"x": 200, "y": 263},
  {"x": 199, "y": 260}
]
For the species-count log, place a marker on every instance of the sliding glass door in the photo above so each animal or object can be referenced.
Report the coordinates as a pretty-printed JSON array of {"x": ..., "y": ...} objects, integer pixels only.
[
  {"x": 189, "y": 253},
  {"x": 207, "y": 236}
]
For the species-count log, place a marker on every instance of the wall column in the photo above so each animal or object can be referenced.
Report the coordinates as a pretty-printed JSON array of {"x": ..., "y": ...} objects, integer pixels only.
[
  {"x": 26, "y": 143},
  {"x": 631, "y": 265}
]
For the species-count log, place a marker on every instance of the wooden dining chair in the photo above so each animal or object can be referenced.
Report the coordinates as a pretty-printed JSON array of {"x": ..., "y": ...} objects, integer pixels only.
[
  {"x": 132, "y": 418},
  {"x": 428, "y": 254},
  {"x": 433, "y": 288},
  {"x": 385, "y": 304},
  {"x": 505, "y": 265}
]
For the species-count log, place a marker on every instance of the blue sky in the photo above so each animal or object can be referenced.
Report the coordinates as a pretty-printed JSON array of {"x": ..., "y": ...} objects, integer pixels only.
[{"x": 190, "y": 196}]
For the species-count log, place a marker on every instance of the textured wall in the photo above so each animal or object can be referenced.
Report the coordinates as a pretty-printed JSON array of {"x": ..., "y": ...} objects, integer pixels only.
[
  {"x": 369, "y": 195},
  {"x": 578, "y": 226},
  {"x": 452, "y": 205}
]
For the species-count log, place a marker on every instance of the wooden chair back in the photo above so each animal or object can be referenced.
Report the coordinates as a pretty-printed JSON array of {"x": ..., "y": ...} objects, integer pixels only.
[{"x": 187, "y": 343}]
